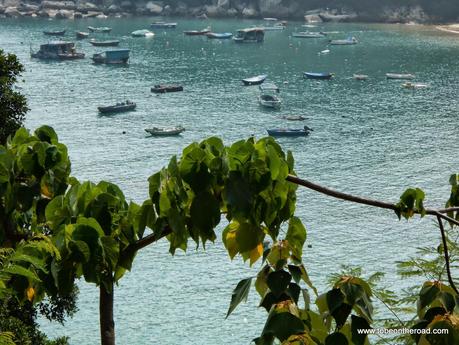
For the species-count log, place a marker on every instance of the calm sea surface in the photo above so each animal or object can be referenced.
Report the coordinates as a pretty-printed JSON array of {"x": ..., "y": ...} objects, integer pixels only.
[{"x": 370, "y": 138}]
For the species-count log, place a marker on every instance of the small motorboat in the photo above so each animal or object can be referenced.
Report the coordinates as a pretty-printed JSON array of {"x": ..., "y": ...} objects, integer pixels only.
[
  {"x": 323, "y": 52},
  {"x": 112, "y": 43},
  {"x": 266, "y": 87},
  {"x": 308, "y": 34},
  {"x": 99, "y": 29},
  {"x": 55, "y": 32},
  {"x": 220, "y": 36},
  {"x": 81, "y": 35},
  {"x": 289, "y": 132},
  {"x": 163, "y": 25},
  {"x": 269, "y": 19},
  {"x": 275, "y": 27},
  {"x": 406, "y": 76},
  {"x": 293, "y": 117},
  {"x": 269, "y": 101},
  {"x": 161, "y": 131},
  {"x": 118, "y": 56},
  {"x": 142, "y": 33},
  {"x": 360, "y": 76},
  {"x": 346, "y": 42},
  {"x": 166, "y": 88},
  {"x": 313, "y": 75},
  {"x": 117, "y": 108},
  {"x": 257, "y": 80},
  {"x": 197, "y": 32},
  {"x": 309, "y": 26},
  {"x": 414, "y": 86}
]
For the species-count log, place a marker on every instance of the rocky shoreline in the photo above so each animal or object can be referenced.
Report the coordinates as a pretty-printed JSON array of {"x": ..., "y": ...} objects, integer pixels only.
[{"x": 75, "y": 9}]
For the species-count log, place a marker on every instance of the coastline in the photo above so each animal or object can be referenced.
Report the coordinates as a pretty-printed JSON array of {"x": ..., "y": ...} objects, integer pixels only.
[{"x": 78, "y": 9}]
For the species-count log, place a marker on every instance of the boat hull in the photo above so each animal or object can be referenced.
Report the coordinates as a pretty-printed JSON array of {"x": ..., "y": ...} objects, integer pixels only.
[
  {"x": 287, "y": 132},
  {"x": 116, "y": 109},
  {"x": 164, "y": 132},
  {"x": 318, "y": 76},
  {"x": 105, "y": 43},
  {"x": 254, "y": 80},
  {"x": 166, "y": 88}
]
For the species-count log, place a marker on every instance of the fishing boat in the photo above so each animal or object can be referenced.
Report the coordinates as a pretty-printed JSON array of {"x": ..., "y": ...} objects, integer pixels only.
[
  {"x": 197, "y": 32},
  {"x": 117, "y": 108},
  {"x": 99, "y": 29},
  {"x": 360, "y": 76},
  {"x": 345, "y": 42},
  {"x": 289, "y": 132},
  {"x": 414, "y": 86},
  {"x": 55, "y": 32},
  {"x": 293, "y": 117},
  {"x": 250, "y": 35},
  {"x": 257, "y": 80},
  {"x": 269, "y": 19},
  {"x": 161, "y": 131},
  {"x": 269, "y": 101},
  {"x": 220, "y": 36},
  {"x": 57, "y": 50},
  {"x": 269, "y": 87},
  {"x": 120, "y": 56},
  {"x": 142, "y": 33},
  {"x": 163, "y": 25},
  {"x": 112, "y": 43},
  {"x": 162, "y": 88},
  {"x": 321, "y": 75},
  {"x": 81, "y": 35},
  {"x": 406, "y": 76},
  {"x": 308, "y": 34}
]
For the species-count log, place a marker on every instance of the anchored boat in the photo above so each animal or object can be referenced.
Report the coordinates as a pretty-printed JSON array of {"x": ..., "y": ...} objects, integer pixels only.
[
  {"x": 166, "y": 88},
  {"x": 54, "y": 33},
  {"x": 163, "y": 25},
  {"x": 269, "y": 101},
  {"x": 120, "y": 56},
  {"x": 220, "y": 36},
  {"x": 57, "y": 50},
  {"x": 406, "y": 76},
  {"x": 289, "y": 132},
  {"x": 99, "y": 29},
  {"x": 117, "y": 108},
  {"x": 161, "y": 131},
  {"x": 112, "y": 43},
  {"x": 257, "y": 80},
  {"x": 313, "y": 75},
  {"x": 250, "y": 35}
]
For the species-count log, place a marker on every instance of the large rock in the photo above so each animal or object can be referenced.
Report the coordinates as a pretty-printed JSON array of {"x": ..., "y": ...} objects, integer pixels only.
[
  {"x": 12, "y": 12},
  {"x": 85, "y": 7},
  {"x": 11, "y": 3},
  {"x": 126, "y": 5},
  {"x": 212, "y": 11},
  {"x": 249, "y": 12},
  {"x": 154, "y": 8},
  {"x": 223, "y": 4},
  {"x": 312, "y": 18},
  {"x": 64, "y": 14},
  {"x": 181, "y": 9},
  {"x": 232, "y": 12},
  {"x": 113, "y": 9},
  {"x": 58, "y": 5},
  {"x": 28, "y": 8}
]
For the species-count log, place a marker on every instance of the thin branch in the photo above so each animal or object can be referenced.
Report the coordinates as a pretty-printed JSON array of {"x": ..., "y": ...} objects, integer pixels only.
[
  {"x": 149, "y": 239},
  {"x": 367, "y": 201},
  {"x": 445, "y": 250}
]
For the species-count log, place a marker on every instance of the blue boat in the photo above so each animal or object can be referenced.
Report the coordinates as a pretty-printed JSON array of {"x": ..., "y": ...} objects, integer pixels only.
[
  {"x": 120, "y": 56},
  {"x": 312, "y": 75},
  {"x": 289, "y": 132},
  {"x": 221, "y": 36}
]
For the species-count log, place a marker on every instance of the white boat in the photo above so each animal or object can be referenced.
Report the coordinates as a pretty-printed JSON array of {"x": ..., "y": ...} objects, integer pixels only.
[
  {"x": 360, "y": 76},
  {"x": 270, "y": 19},
  {"x": 269, "y": 101},
  {"x": 407, "y": 76},
  {"x": 308, "y": 34},
  {"x": 409, "y": 85},
  {"x": 162, "y": 131},
  {"x": 293, "y": 117},
  {"x": 309, "y": 26},
  {"x": 142, "y": 33},
  {"x": 323, "y": 52},
  {"x": 346, "y": 42},
  {"x": 275, "y": 27}
]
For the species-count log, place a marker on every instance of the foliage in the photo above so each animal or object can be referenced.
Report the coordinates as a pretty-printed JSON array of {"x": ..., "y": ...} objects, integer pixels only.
[
  {"x": 65, "y": 229},
  {"x": 13, "y": 105}
]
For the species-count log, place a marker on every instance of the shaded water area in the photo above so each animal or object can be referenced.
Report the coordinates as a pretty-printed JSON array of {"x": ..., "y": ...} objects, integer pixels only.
[{"x": 370, "y": 138}]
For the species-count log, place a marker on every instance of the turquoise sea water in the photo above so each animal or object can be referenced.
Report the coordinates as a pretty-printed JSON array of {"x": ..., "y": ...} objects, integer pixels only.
[{"x": 370, "y": 138}]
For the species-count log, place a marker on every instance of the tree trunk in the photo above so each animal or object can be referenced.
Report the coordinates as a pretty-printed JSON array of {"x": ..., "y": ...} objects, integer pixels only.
[{"x": 107, "y": 324}]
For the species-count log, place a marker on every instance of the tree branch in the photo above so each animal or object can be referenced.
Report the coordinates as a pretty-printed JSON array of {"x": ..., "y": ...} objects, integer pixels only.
[
  {"x": 149, "y": 239},
  {"x": 366, "y": 201},
  {"x": 445, "y": 250}
]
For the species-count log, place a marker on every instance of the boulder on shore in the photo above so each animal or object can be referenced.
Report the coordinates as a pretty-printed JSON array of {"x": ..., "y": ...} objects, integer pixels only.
[
  {"x": 12, "y": 12},
  {"x": 154, "y": 8},
  {"x": 64, "y": 14},
  {"x": 312, "y": 18},
  {"x": 27, "y": 7},
  {"x": 58, "y": 5},
  {"x": 249, "y": 12}
]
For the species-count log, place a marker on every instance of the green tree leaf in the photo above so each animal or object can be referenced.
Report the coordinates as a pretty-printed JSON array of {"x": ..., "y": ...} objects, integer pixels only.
[{"x": 240, "y": 294}]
